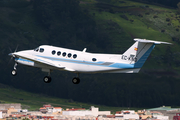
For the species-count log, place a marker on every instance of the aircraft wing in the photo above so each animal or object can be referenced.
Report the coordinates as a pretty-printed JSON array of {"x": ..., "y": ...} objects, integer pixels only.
[{"x": 40, "y": 60}]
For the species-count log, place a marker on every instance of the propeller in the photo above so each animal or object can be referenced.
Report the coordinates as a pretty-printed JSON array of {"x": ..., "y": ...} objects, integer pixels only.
[{"x": 11, "y": 54}]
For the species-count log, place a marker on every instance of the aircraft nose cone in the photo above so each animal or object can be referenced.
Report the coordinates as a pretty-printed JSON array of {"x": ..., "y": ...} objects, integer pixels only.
[{"x": 10, "y": 54}]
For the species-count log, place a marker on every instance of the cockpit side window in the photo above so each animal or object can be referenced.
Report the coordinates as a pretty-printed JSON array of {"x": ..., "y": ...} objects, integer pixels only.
[
  {"x": 41, "y": 50},
  {"x": 36, "y": 49}
]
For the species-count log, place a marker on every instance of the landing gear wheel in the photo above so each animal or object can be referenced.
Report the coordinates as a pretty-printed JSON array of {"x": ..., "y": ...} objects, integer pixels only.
[
  {"x": 47, "y": 79},
  {"x": 14, "y": 72},
  {"x": 76, "y": 80}
]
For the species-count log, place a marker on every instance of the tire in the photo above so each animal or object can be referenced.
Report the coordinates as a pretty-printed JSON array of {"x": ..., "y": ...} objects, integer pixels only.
[
  {"x": 47, "y": 79},
  {"x": 76, "y": 80},
  {"x": 14, "y": 72}
]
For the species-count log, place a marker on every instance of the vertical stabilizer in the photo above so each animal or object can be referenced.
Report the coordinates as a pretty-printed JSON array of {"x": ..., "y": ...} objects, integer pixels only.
[
  {"x": 131, "y": 52},
  {"x": 144, "y": 50},
  {"x": 138, "y": 53}
]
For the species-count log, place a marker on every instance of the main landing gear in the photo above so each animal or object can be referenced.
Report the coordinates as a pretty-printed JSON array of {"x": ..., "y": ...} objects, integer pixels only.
[
  {"x": 76, "y": 80},
  {"x": 47, "y": 79}
]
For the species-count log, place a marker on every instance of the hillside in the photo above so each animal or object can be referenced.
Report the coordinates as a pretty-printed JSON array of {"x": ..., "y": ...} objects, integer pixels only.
[
  {"x": 106, "y": 27},
  {"x": 33, "y": 102},
  {"x": 125, "y": 20}
]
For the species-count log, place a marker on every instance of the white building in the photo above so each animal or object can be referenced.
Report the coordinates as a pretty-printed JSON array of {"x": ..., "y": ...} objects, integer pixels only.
[
  {"x": 77, "y": 113},
  {"x": 50, "y": 109},
  {"x": 159, "y": 115},
  {"x": 53, "y": 109},
  {"x": 127, "y": 114},
  {"x": 1, "y": 115},
  {"x": 93, "y": 112},
  {"x": 22, "y": 110},
  {"x": 57, "y": 109}
]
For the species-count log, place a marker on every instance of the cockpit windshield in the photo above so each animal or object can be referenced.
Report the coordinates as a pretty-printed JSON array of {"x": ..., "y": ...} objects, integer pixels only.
[{"x": 36, "y": 49}]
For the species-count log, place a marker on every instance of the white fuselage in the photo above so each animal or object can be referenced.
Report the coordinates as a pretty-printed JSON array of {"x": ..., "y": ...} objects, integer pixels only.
[{"x": 75, "y": 61}]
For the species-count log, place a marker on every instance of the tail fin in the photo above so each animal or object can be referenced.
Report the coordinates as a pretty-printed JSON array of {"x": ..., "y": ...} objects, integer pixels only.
[{"x": 138, "y": 53}]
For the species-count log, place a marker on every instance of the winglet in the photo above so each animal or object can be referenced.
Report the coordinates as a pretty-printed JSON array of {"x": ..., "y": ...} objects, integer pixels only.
[{"x": 150, "y": 41}]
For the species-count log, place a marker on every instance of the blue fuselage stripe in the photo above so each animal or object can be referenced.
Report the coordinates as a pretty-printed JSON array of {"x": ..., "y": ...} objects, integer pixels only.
[
  {"x": 100, "y": 63},
  {"x": 24, "y": 60},
  {"x": 142, "y": 60}
]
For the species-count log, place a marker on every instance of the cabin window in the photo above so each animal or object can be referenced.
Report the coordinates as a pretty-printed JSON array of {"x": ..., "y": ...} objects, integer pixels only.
[
  {"x": 41, "y": 50},
  {"x": 69, "y": 55},
  {"x": 53, "y": 52},
  {"x": 64, "y": 54},
  {"x": 74, "y": 56},
  {"x": 94, "y": 59},
  {"x": 58, "y": 53}
]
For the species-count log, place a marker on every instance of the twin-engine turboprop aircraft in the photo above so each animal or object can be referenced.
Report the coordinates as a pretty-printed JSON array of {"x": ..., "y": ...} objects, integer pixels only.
[{"x": 50, "y": 58}]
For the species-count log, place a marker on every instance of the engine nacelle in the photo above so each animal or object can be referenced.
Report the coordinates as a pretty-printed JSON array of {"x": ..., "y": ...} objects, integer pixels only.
[{"x": 24, "y": 61}]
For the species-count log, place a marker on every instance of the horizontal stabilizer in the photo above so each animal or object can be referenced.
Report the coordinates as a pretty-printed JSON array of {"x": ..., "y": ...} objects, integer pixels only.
[{"x": 150, "y": 41}]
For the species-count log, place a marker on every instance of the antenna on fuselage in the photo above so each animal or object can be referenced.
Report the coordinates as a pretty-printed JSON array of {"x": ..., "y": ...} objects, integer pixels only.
[{"x": 84, "y": 50}]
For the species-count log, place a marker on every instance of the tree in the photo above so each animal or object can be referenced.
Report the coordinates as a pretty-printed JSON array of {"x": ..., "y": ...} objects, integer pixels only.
[{"x": 178, "y": 7}]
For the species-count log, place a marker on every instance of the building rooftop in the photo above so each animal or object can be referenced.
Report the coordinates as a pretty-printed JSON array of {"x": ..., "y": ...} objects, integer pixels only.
[
  {"x": 76, "y": 109},
  {"x": 57, "y": 108},
  {"x": 168, "y": 108},
  {"x": 42, "y": 108}
]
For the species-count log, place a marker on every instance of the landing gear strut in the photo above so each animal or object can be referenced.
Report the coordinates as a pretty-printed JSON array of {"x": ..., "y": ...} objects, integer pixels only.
[
  {"x": 76, "y": 80},
  {"x": 14, "y": 72}
]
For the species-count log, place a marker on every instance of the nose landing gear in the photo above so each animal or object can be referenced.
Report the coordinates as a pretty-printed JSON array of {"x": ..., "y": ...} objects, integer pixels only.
[{"x": 14, "y": 72}]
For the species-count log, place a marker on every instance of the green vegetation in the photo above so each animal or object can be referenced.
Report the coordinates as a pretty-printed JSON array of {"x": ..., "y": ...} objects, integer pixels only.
[
  {"x": 107, "y": 26},
  {"x": 125, "y": 20},
  {"x": 32, "y": 101},
  {"x": 164, "y": 3},
  {"x": 178, "y": 7}
]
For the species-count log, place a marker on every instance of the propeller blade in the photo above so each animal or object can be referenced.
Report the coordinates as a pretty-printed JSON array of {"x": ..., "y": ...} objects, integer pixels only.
[
  {"x": 11, "y": 54},
  {"x": 10, "y": 60},
  {"x": 10, "y": 49},
  {"x": 16, "y": 48}
]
